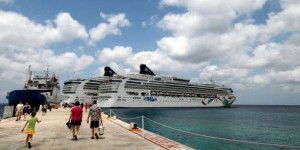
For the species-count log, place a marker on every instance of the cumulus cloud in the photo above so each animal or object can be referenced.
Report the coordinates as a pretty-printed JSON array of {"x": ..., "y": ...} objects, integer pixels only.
[
  {"x": 112, "y": 27},
  {"x": 18, "y": 31},
  {"x": 151, "y": 21},
  {"x": 218, "y": 39},
  {"x": 68, "y": 28},
  {"x": 124, "y": 60},
  {"x": 205, "y": 16},
  {"x": 13, "y": 64},
  {"x": 224, "y": 35},
  {"x": 117, "y": 54},
  {"x": 22, "y": 43}
]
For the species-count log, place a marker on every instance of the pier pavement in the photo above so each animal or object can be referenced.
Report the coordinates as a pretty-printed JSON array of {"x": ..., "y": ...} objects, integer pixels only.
[{"x": 52, "y": 133}]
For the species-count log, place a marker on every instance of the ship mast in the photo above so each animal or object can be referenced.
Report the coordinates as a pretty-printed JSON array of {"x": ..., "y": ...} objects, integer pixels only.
[
  {"x": 212, "y": 81},
  {"x": 47, "y": 71},
  {"x": 28, "y": 76}
]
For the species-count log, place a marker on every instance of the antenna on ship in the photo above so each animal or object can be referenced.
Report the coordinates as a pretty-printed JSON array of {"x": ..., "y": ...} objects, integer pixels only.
[
  {"x": 28, "y": 76},
  {"x": 211, "y": 80},
  {"x": 47, "y": 71}
]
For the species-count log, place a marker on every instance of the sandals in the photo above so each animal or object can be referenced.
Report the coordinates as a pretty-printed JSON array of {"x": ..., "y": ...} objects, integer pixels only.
[
  {"x": 97, "y": 137},
  {"x": 92, "y": 137}
]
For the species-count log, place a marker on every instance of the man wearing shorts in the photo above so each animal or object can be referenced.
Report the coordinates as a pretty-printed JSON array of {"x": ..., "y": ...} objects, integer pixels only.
[
  {"x": 95, "y": 114},
  {"x": 44, "y": 109},
  {"x": 19, "y": 110}
]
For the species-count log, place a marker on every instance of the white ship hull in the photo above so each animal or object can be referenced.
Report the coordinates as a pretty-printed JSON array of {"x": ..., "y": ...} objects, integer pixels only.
[
  {"x": 127, "y": 101},
  {"x": 72, "y": 98},
  {"x": 151, "y": 91},
  {"x": 82, "y": 90}
]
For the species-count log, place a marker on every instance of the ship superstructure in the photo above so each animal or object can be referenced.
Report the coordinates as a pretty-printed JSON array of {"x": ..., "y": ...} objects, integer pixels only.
[
  {"x": 46, "y": 85},
  {"x": 83, "y": 90},
  {"x": 147, "y": 90},
  {"x": 37, "y": 90}
]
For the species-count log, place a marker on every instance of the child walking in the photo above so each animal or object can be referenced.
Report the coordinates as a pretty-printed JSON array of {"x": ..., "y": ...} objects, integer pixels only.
[{"x": 30, "y": 128}]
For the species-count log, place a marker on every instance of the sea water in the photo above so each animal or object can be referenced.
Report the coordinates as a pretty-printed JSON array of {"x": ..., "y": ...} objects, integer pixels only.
[{"x": 264, "y": 124}]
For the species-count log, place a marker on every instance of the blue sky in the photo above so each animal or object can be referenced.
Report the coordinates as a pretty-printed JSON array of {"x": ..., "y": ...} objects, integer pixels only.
[{"x": 251, "y": 46}]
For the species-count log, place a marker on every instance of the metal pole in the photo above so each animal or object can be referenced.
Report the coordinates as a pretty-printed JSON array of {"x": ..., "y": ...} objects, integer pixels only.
[{"x": 143, "y": 126}]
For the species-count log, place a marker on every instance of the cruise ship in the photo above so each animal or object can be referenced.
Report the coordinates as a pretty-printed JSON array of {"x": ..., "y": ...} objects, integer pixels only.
[
  {"x": 83, "y": 90},
  {"x": 37, "y": 90},
  {"x": 147, "y": 90}
]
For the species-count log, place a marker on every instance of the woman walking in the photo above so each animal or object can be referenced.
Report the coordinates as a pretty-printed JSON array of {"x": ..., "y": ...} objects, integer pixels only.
[
  {"x": 76, "y": 118},
  {"x": 30, "y": 128},
  {"x": 26, "y": 110}
]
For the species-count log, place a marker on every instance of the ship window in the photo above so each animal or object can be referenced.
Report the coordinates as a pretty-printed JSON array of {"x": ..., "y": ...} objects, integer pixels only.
[{"x": 145, "y": 94}]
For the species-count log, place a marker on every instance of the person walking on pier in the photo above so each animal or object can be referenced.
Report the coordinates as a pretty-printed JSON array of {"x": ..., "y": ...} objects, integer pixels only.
[
  {"x": 76, "y": 118},
  {"x": 30, "y": 128},
  {"x": 44, "y": 109},
  {"x": 95, "y": 114},
  {"x": 26, "y": 109},
  {"x": 19, "y": 110},
  {"x": 86, "y": 106}
]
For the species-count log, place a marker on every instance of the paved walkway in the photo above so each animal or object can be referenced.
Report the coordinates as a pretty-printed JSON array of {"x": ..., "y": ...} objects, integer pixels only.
[{"x": 52, "y": 133}]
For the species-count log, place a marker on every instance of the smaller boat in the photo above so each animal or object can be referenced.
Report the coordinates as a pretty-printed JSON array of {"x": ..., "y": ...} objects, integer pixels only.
[{"x": 37, "y": 91}]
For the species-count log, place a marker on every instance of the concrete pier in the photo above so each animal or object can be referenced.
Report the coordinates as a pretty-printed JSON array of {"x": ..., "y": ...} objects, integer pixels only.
[{"x": 52, "y": 133}]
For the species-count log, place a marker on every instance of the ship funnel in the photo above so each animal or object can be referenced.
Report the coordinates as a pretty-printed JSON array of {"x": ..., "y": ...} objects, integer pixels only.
[
  {"x": 145, "y": 70},
  {"x": 108, "y": 72}
]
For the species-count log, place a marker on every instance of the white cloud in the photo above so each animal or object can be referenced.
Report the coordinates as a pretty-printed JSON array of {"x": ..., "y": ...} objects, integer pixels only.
[
  {"x": 13, "y": 65},
  {"x": 158, "y": 62},
  {"x": 220, "y": 74},
  {"x": 206, "y": 16},
  {"x": 112, "y": 27},
  {"x": 68, "y": 28},
  {"x": 289, "y": 3},
  {"x": 241, "y": 53},
  {"x": 150, "y": 22},
  {"x": 117, "y": 54},
  {"x": 191, "y": 50},
  {"x": 218, "y": 39},
  {"x": 217, "y": 6},
  {"x": 17, "y": 31},
  {"x": 123, "y": 60},
  {"x": 288, "y": 20}
]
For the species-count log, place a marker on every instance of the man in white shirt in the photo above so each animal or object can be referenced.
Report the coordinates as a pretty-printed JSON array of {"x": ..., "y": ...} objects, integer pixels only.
[{"x": 19, "y": 110}]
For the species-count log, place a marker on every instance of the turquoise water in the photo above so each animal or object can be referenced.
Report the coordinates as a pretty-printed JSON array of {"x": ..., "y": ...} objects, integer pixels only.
[{"x": 266, "y": 124}]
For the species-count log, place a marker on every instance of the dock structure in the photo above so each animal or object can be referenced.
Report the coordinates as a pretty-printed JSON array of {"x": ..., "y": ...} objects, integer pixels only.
[{"x": 52, "y": 133}]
